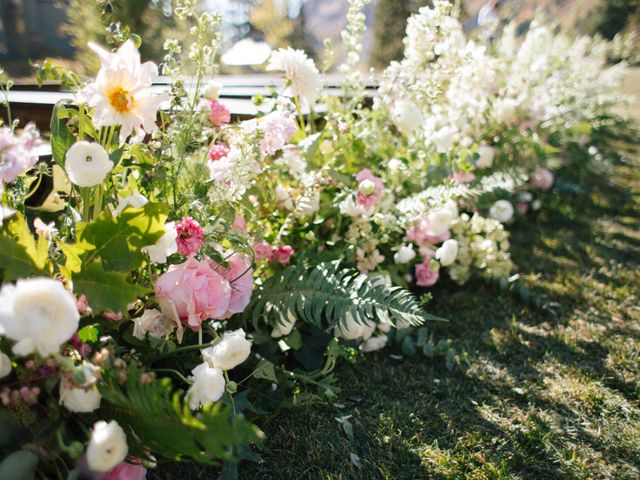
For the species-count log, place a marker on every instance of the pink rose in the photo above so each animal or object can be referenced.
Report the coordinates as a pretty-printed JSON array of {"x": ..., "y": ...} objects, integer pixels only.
[
  {"x": 425, "y": 277},
  {"x": 263, "y": 251},
  {"x": 219, "y": 115},
  {"x": 370, "y": 189},
  {"x": 463, "y": 177},
  {"x": 190, "y": 236},
  {"x": 127, "y": 471},
  {"x": 218, "y": 151},
  {"x": 193, "y": 292},
  {"x": 240, "y": 276},
  {"x": 283, "y": 254},
  {"x": 239, "y": 224},
  {"x": 542, "y": 178}
]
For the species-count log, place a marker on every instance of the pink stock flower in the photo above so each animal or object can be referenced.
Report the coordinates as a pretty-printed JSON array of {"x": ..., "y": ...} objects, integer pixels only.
[
  {"x": 370, "y": 189},
  {"x": 263, "y": 251},
  {"x": 219, "y": 115},
  {"x": 542, "y": 178},
  {"x": 283, "y": 254},
  {"x": 218, "y": 151},
  {"x": 463, "y": 177},
  {"x": 425, "y": 277},
  {"x": 240, "y": 276},
  {"x": 127, "y": 471},
  {"x": 190, "y": 236},
  {"x": 18, "y": 153},
  {"x": 193, "y": 292},
  {"x": 239, "y": 224}
]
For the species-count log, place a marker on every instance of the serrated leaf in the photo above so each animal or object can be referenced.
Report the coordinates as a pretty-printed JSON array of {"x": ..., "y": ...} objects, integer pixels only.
[
  {"x": 61, "y": 137},
  {"x": 106, "y": 291},
  {"x": 118, "y": 241},
  {"x": 88, "y": 334}
]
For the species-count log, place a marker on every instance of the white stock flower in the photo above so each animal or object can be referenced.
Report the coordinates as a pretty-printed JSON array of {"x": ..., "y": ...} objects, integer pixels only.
[
  {"x": 212, "y": 90},
  {"x": 87, "y": 164},
  {"x": 107, "y": 447},
  {"x": 208, "y": 386},
  {"x": 5, "y": 365},
  {"x": 307, "y": 205},
  {"x": 135, "y": 200},
  {"x": 300, "y": 71},
  {"x": 352, "y": 330},
  {"x": 487, "y": 154},
  {"x": 448, "y": 252},
  {"x": 152, "y": 322},
  {"x": 406, "y": 116},
  {"x": 374, "y": 344},
  {"x": 81, "y": 398},
  {"x": 165, "y": 246},
  {"x": 122, "y": 94},
  {"x": 405, "y": 254},
  {"x": 39, "y": 314},
  {"x": 283, "y": 199},
  {"x": 231, "y": 351},
  {"x": 502, "y": 211},
  {"x": 296, "y": 162}
]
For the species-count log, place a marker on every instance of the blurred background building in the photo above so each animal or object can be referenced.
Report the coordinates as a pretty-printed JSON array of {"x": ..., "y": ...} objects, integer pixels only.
[{"x": 35, "y": 29}]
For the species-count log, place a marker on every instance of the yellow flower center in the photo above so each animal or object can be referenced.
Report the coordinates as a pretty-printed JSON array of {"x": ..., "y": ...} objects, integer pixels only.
[{"x": 120, "y": 100}]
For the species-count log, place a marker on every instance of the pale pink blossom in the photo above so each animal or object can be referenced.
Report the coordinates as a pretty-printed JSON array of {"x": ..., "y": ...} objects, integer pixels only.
[
  {"x": 218, "y": 151},
  {"x": 370, "y": 190},
  {"x": 127, "y": 471},
  {"x": 18, "y": 153},
  {"x": 541, "y": 178},
  {"x": 419, "y": 232},
  {"x": 190, "y": 236},
  {"x": 113, "y": 316},
  {"x": 522, "y": 208},
  {"x": 219, "y": 115},
  {"x": 278, "y": 127},
  {"x": 463, "y": 177},
  {"x": 239, "y": 224},
  {"x": 240, "y": 276},
  {"x": 283, "y": 254},
  {"x": 425, "y": 276},
  {"x": 263, "y": 251}
]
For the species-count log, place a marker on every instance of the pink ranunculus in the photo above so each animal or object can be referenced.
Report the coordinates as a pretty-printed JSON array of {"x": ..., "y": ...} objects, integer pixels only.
[
  {"x": 283, "y": 254},
  {"x": 219, "y": 115},
  {"x": 463, "y": 177},
  {"x": 522, "y": 207},
  {"x": 218, "y": 151},
  {"x": 127, "y": 471},
  {"x": 239, "y": 224},
  {"x": 192, "y": 292},
  {"x": 240, "y": 276},
  {"x": 425, "y": 277},
  {"x": 542, "y": 178},
  {"x": 418, "y": 233},
  {"x": 190, "y": 236},
  {"x": 263, "y": 251},
  {"x": 370, "y": 190}
]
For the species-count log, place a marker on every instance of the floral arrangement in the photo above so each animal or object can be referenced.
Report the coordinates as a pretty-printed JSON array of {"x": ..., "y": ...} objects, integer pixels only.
[{"x": 189, "y": 274}]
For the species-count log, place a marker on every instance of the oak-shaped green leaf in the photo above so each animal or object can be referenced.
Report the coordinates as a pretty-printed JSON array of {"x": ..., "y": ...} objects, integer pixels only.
[
  {"x": 118, "y": 241},
  {"x": 20, "y": 254},
  {"x": 106, "y": 291}
]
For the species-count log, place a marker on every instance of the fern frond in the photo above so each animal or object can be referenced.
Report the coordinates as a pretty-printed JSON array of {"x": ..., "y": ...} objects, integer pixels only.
[
  {"x": 324, "y": 294},
  {"x": 158, "y": 419}
]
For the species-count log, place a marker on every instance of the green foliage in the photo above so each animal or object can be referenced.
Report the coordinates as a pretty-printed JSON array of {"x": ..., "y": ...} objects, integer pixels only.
[
  {"x": 163, "y": 422},
  {"x": 108, "y": 291},
  {"x": 61, "y": 137},
  {"x": 20, "y": 465},
  {"x": 20, "y": 255},
  {"x": 327, "y": 293}
]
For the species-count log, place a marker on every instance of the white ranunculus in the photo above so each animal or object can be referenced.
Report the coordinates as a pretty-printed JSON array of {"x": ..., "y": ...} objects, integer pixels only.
[
  {"x": 438, "y": 221},
  {"x": 487, "y": 154},
  {"x": 81, "y": 398},
  {"x": 502, "y": 211},
  {"x": 165, "y": 246},
  {"x": 87, "y": 164},
  {"x": 448, "y": 252},
  {"x": 208, "y": 386},
  {"x": 374, "y": 344},
  {"x": 406, "y": 116},
  {"x": 107, "y": 447},
  {"x": 285, "y": 326},
  {"x": 231, "y": 351},
  {"x": 5, "y": 365},
  {"x": 39, "y": 314},
  {"x": 352, "y": 330},
  {"x": 135, "y": 200},
  {"x": 212, "y": 90},
  {"x": 405, "y": 254},
  {"x": 152, "y": 322}
]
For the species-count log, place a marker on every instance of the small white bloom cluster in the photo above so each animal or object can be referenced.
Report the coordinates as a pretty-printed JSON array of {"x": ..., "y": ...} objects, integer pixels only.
[{"x": 483, "y": 244}]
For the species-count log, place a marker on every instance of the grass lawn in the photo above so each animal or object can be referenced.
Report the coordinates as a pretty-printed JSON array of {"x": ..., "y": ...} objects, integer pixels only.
[{"x": 545, "y": 396}]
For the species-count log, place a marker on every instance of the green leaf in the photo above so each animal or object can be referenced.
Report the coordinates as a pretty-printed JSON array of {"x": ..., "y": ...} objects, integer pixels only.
[
  {"x": 408, "y": 346},
  {"x": 106, "y": 291},
  {"x": 19, "y": 465},
  {"x": 265, "y": 370},
  {"x": 88, "y": 334},
  {"x": 61, "y": 137},
  {"x": 294, "y": 340},
  {"x": 118, "y": 241},
  {"x": 20, "y": 256}
]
